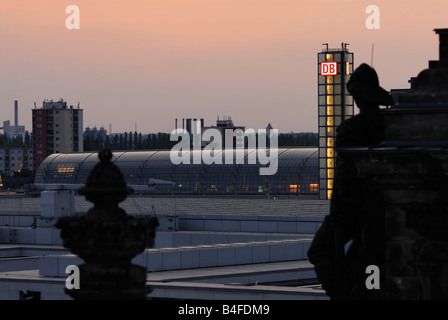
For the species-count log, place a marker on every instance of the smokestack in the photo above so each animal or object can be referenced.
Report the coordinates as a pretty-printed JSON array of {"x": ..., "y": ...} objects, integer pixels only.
[{"x": 16, "y": 113}]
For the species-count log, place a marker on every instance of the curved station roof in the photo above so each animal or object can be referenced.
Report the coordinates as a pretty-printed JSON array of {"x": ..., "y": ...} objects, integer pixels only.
[{"x": 297, "y": 172}]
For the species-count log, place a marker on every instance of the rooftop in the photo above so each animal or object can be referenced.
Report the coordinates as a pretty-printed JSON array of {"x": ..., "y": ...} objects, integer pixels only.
[{"x": 206, "y": 247}]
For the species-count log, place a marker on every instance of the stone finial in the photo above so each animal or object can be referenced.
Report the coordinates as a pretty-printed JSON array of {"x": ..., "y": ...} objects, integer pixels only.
[{"x": 107, "y": 239}]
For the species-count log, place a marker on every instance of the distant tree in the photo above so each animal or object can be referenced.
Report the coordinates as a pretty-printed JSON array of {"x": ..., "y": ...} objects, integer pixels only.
[
  {"x": 107, "y": 142},
  {"x": 86, "y": 143},
  {"x": 120, "y": 143},
  {"x": 130, "y": 143},
  {"x": 28, "y": 140},
  {"x": 140, "y": 142},
  {"x": 135, "y": 141},
  {"x": 125, "y": 141},
  {"x": 114, "y": 143},
  {"x": 148, "y": 141},
  {"x": 3, "y": 140},
  {"x": 301, "y": 139},
  {"x": 16, "y": 141}
]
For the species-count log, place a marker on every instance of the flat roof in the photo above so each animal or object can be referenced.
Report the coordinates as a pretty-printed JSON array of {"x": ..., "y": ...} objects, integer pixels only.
[{"x": 203, "y": 205}]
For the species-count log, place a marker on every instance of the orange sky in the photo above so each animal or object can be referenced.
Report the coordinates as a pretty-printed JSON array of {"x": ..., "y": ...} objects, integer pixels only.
[{"x": 149, "y": 61}]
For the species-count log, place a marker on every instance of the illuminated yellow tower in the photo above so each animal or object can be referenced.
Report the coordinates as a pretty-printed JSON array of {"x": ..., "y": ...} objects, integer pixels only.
[{"x": 335, "y": 105}]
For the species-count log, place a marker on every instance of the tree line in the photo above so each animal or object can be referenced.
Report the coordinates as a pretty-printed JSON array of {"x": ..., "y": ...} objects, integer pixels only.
[
  {"x": 138, "y": 141},
  {"x": 302, "y": 139},
  {"x": 16, "y": 142},
  {"x": 128, "y": 141}
]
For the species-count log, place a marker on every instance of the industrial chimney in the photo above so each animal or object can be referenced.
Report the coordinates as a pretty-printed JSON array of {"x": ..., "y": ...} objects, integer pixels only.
[{"x": 16, "y": 113}]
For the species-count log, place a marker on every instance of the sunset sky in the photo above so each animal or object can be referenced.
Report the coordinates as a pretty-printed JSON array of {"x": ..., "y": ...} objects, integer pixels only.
[{"x": 151, "y": 61}]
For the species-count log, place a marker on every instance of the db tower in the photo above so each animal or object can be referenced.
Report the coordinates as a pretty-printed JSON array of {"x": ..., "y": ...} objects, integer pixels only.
[{"x": 335, "y": 105}]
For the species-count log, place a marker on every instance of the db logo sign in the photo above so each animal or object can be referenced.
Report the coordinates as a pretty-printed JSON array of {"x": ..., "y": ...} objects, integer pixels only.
[{"x": 329, "y": 68}]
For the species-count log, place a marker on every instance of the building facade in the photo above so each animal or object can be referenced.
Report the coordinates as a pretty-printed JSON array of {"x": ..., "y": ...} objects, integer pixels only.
[
  {"x": 14, "y": 160},
  {"x": 57, "y": 128},
  {"x": 13, "y": 132},
  {"x": 335, "y": 105}
]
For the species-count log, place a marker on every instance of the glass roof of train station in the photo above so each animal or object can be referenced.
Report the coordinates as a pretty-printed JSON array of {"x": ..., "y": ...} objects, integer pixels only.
[{"x": 297, "y": 172}]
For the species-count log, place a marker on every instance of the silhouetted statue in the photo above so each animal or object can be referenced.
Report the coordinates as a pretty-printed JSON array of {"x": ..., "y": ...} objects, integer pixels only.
[
  {"x": 341, "y": 273},
  {"x": 107, "y": 238}
]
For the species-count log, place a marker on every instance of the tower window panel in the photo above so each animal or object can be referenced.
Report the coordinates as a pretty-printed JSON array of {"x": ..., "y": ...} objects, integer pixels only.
[
  {"x": 337, "y": 100},
  {"x": 322, "y": 100},
  {"x": 322, "y": 121},
  {"x": 322, "y": 89},
  {"x": 338, "y": 110},
  {"x": 330, "y": 152},
  {"x": 337, "y": 79},
  {"x": 337, "y": 89},
  {"x": 323, "y": 173},
  {"x": 329, "y": 89},
  {"x": 337, "y": 121},
  {"x": 322, "y": 152},
  {"x": 322, "y": 110},
  {"x": 348, "y": 111},
  {"x": 321, "y": 79},
  {"x": 329, "y": 79},
  {"x": 330, "y": 111},
  {"x": 322, "y": 131},
  {"x": 330, "y": 131},
  {"x": 322, "y": 142},
  {"x": 329, "y": 193},
  {"x": 329, "y": 100},
  {"x": 330, "y": 142},
  {"x": 348, "y": 100},
  {"x": 330, "y": 184},
  {"x": 330, "y": 173},
  {"x": 323, "y": 164},
  {"x": 330, "y": 121},
  {"x": 329, "y": 56}
]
